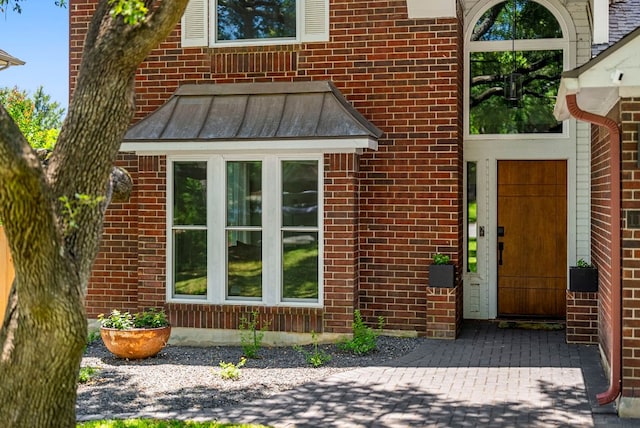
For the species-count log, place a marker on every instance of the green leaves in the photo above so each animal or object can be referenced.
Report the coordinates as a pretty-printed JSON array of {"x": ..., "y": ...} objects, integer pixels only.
[
  {"x": 132, "y": 11},
  {"x": 38, "y": 118},
  {"x": 365, "y": 339},
  {"x": 150, "y": 318},
  {"x": 441, "y": 259},
  {"x": 231, "y": 371}
]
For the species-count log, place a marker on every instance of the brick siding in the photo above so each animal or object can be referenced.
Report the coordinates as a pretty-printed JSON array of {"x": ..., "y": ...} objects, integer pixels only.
[
  {"x": 403, "y": 201},
  {"x": 582, "y": 317},
  {"x": 443, "y": 312},
  {"x": 630, "y": 117},
  {"x": 601, "y": 229}
]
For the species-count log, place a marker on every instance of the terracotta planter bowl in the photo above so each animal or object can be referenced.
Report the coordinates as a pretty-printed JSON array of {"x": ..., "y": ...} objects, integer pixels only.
[{"x": 135, "y": 343}]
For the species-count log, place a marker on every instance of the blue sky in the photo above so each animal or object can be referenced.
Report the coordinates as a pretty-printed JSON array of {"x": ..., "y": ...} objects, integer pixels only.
[{"x": 40, "y": 37}]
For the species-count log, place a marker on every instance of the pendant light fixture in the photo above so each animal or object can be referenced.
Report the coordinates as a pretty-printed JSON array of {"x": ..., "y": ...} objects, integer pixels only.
[{"x": 513, "y": 81}]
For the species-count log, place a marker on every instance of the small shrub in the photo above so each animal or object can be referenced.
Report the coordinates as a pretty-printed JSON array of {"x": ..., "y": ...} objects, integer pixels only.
[
  {"x": 87, "y": 373},
  {"x": 365, "y": 339},
  {"x": 91, "y": 337},
  {"x": 231, "y": 371},
  {"x": 317, "y": 357},
  {"x": 250, "y": 336}
]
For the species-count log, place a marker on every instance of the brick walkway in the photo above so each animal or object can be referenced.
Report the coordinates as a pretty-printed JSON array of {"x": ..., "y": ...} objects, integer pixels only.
[{"x": 489, "y": 377}]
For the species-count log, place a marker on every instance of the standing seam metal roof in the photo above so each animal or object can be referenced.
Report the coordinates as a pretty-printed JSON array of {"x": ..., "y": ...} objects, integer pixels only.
[{"x": 253, "y": 111}]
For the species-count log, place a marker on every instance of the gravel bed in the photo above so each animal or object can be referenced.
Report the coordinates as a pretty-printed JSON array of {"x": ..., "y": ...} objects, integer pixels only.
[{"x": 182, "y": 378}]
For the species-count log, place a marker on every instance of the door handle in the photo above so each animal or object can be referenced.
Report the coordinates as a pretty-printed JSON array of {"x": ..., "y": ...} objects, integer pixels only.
[{"x": 500, "y": 250}]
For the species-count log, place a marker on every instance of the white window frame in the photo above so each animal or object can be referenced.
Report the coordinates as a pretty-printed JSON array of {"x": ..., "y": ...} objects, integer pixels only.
[
  {"x": 506, "y": 46},
  {"x": 199, "y": 25},
  {"x": 271, "y": 230}
]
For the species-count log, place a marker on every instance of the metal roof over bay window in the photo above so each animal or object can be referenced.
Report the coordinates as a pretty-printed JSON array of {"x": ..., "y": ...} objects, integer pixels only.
[{"x": 244, "y": 117}]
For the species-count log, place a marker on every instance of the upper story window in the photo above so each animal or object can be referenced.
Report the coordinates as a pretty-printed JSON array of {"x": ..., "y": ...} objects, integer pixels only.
[
  {"x": 517, "y": 52},
  {"x": 215, "y": 23},
  {"x": 255, "y": 20}
]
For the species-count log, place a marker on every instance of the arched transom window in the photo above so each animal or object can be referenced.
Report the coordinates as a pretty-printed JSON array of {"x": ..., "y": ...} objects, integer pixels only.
[{"x": 516, "y": 56}]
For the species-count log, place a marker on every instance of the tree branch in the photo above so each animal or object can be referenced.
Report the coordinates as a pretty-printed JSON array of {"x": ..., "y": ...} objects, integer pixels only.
[
  {"x": 25, "y": 208},
  {"x": 100, "y": 113}
]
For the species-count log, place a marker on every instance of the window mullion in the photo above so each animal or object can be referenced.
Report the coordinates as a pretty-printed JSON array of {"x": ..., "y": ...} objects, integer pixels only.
[
  {"x": 271, "y": 232},
  {"x": 216, "y": 197}
]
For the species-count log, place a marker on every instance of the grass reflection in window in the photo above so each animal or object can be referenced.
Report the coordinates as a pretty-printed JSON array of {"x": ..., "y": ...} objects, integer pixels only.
[
  {"x": 244, "y": 270},
  {"x": 300, "y": 269}
]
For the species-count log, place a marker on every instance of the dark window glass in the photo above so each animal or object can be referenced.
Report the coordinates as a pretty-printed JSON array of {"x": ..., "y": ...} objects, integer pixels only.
[
  {"x": 190, "y": 262},
  {"x": 244, "y": 193},
  {"x": 189, "y": 193},
  {"x": 300, "y": 193},
  {"x": 256, "y": 19},
  {"x": 529, "y": 20},
  {"x": 490, "y": 112}
]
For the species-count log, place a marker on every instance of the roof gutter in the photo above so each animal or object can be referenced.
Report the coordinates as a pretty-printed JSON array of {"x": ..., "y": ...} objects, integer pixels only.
[{"x": 615, "y": 378}]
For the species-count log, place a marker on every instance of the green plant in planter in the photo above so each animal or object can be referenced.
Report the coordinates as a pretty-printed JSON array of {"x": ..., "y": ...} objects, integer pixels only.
[
  {"x": 441, "y": 259},
  {"x": 441, "y": 272},
  {"x": 583, "y": 277},
  {"x": 583, "y": 264},
  {"x": 135, "y": 336},
  {"x": 149, "y": 318}
]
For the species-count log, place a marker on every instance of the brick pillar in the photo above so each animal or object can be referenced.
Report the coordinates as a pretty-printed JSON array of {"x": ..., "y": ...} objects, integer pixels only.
[
  {"x": 582, "y": 317},
  {"x": 444, "y": 312}
]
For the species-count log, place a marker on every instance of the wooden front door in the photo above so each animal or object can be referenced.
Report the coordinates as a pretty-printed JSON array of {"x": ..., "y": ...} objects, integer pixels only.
[{"x": 532, "y": 238}]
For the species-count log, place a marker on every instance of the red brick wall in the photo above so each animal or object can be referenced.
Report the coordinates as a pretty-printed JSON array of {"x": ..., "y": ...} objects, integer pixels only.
[
  {"x": 630, "y": 117},
  {"x": 601, "y": 229},
  {"x": 294, "y": 320},
  {"x": 340, "y": 241},
  {"x": 114, "y": 280},
  {"x": 411, "y": 188},
  {"x": 152, "y": 226},
  {"x": 582, "y": 317},
  {"x": 403, "y": 75},
  {"x": 444, "y": 312}
]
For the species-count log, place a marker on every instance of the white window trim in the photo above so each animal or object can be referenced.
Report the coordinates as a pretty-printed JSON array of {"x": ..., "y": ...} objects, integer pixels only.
[
  {"x": 271, "y": 229},
  {"x": 199, "y": 25}
]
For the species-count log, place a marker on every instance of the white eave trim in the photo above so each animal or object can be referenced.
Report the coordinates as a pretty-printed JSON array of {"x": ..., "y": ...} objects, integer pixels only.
[
  {"x": 338, "y": 145},
  {"x": 601, "y": 82},
  {"x": 423, "y": 9}
]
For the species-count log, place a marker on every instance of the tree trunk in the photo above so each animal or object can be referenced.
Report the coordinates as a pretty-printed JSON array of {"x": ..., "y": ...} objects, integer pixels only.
[
  {"x": 54, "y": 243},
  {"x": 40, "y": 360}
]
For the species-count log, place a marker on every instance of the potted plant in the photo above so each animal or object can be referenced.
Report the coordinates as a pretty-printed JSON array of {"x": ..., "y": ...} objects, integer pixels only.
[
  {"x": 137, "y": 336},
  {"x": 442, "y": 274},
  {"x": 583, "y": 277}
]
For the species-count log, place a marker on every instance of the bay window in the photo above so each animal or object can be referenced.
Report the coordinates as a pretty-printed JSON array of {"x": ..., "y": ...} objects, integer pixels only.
[{"x": 245, "y": 230}]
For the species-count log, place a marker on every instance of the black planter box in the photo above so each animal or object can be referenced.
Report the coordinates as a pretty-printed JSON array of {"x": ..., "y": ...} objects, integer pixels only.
[
  {"x": 442, "y": 276},
  {"x": 583, "y": 279}
]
